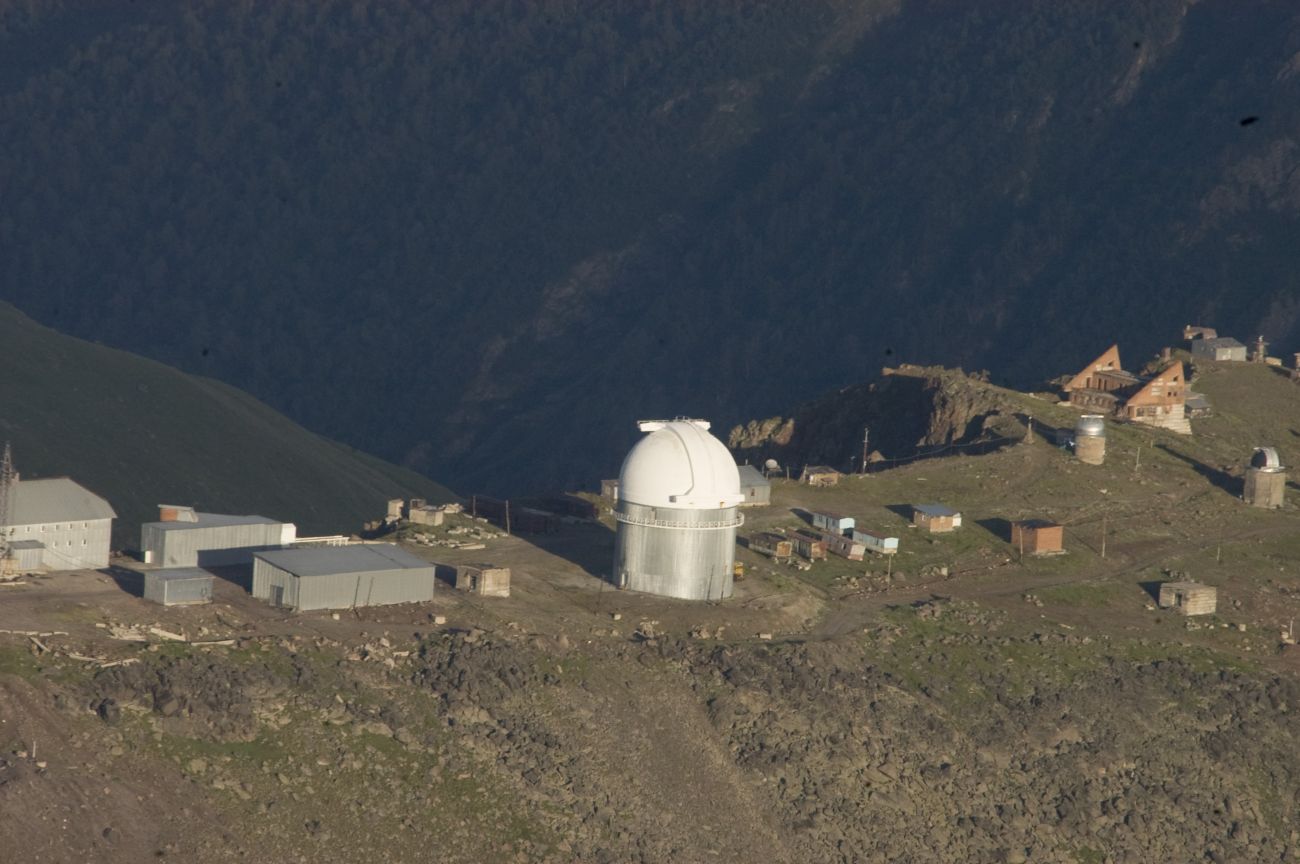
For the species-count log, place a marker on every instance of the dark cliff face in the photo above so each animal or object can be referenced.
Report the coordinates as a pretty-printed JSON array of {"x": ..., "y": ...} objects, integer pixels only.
[
  {"x": 909, "y": 411},
  {"x": 483, "y": 239}
]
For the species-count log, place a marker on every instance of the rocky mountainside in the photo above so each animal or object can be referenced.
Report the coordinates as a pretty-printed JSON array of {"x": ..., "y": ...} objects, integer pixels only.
[
  {"x": 911, "y": 411},
  {"x": 140, "y": 434},
  {"x": 964, "y": 701},
  {"x": 944, "y": 733},
  {"x": 512, "y": 224}
]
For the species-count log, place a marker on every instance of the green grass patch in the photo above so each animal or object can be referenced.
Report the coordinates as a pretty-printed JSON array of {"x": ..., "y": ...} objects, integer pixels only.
[
  {"x": 17, "y": 660},
  {"x": 1086, "y": 594}
]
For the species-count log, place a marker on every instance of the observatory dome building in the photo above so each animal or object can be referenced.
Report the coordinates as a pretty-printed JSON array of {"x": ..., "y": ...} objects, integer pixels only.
[{"x": 678, "y": 510}]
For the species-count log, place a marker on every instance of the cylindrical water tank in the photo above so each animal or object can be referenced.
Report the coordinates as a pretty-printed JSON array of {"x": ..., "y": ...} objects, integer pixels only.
[{"x": 1090, "y": 439}]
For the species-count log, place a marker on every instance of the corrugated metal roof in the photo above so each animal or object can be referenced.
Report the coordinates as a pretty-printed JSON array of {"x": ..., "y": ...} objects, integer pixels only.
[
  {"x": 876, "y": 534},
  {"x": 1221, "y": 342},
  {"x": 214, "y": 520},
  {"x": 327, "y": 560},
  {"x": 179, "y": 574},
  {"x": 934, "y": 510},
  {"x": 55, "y": 499},
  {"x": 751, "y": 476}
]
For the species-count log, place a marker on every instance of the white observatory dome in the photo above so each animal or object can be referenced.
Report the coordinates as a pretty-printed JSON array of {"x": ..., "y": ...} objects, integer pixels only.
[{"x": 680, "y": 465}]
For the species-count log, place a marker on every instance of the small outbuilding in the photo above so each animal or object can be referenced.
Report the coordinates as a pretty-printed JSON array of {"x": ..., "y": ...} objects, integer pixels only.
[
  {"x": 1221, "y": 348},
  {"x": 178, "y": 586},
  {"x": 809, "y": 545},
  {"x": 833, "y": 523},
  {"x": 772, "y": 545},
  {"x": 1038, "y": 537},
  {"x": 881, "y": 544},
  {"x": 341, "y": 577},
  {"x": 845, "y": 547},
  {"x": 485, "y": 579},
  {"x": 756, "y": 488},
  {"x": 1189, "y": 598},
  {"x": 1198, "y": 406},
  {"x": 426, "y": 514},
  {"x": 1265, "y": 480},
  {"x": 609, "y": 489},
  {"x": 820, "y": 475},
  {"x": 935, "y": 518}
]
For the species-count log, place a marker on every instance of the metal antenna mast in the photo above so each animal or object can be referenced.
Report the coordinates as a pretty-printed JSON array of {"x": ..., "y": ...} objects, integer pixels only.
[{"x": 6, "y": 503}]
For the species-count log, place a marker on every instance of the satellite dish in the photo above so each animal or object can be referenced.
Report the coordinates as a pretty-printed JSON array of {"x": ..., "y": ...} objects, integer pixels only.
[{"x": 772, "y": 465}]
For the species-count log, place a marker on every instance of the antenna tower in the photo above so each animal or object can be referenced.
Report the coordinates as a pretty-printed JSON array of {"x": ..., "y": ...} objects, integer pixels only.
[{"x": 6, "y": 503}]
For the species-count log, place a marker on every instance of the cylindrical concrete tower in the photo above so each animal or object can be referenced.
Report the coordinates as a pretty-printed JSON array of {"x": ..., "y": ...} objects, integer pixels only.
[
  {"x": 678, "y": 500},
  {"x": 1090, "y": 439},
  {"x": 1265, "y": 480}
]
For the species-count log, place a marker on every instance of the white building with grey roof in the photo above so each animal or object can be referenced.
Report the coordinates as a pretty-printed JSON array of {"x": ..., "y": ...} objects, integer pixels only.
[
  {"x": 58, "y": 524},
  {"x": 342, "y": 577},
  {"x": 1222, "y": 348},
  {"x": 185, "y": 537}
]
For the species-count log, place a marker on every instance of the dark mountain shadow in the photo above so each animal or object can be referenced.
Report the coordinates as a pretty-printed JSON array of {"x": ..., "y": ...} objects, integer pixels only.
[{"x": 1222, "y": 479}]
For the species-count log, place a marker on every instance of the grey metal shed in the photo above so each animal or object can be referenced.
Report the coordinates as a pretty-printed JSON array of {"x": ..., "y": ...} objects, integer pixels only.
[
  {"x": 756, "y": 488},
  {"x": 341, "y": 577},
  {"x": 178, "y": 586}
]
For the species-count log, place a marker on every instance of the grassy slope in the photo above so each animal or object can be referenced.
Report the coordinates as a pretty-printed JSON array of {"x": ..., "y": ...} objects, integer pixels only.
[
  {"x": 1167, "y": 501},
  {"x": 140, "y": 433}
]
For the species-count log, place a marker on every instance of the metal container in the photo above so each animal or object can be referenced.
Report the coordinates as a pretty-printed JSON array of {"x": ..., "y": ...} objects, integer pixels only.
[
  {"x": 1090, "y": 425},
  {"x": 178, "y": 586},
  {"x": 1090, "y": 439}
]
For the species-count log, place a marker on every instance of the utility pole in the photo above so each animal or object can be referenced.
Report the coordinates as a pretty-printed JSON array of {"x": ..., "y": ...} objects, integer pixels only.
[
  {"x": 6, "y": 504},
  {"x": 507, "y": 516},
  {"x": 866, "y": 437},
  {"x": 1137, "y": 461},
  {"x": 1029, "y": 436},
  {"x": 1103, "y": 535}
]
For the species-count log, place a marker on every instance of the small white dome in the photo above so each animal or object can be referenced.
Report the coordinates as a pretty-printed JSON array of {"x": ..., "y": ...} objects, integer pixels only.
[{"x": 680, "y": 465}]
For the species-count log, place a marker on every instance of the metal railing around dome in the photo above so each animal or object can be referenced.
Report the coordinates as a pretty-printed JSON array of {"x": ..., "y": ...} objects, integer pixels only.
[{"x": 716, "y": 525}]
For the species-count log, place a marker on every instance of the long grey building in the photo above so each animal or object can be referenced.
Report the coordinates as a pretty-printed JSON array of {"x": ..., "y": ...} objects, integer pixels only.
[
  {"x": 58, "y": 524},
  {"x": 186, "y": 538},
  {"x": 677, "y": 513},
  {"x": 341, "y": 577}
]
